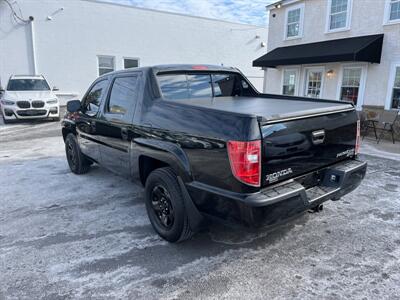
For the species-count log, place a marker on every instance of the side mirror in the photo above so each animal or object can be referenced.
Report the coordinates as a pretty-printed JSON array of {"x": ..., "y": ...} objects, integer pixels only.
[
  {"x": 73, "y": 106},
  {"x": 55, "y": 88}
]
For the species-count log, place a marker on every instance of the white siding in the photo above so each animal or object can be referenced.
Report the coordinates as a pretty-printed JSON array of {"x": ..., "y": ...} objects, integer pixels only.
[{"x": 367, "y": 18}]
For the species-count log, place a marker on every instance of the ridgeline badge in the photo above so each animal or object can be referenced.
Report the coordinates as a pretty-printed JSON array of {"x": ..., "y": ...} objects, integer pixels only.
[
  {"x": 275, "y": 176},
  {"x": 347, "y": 153}
]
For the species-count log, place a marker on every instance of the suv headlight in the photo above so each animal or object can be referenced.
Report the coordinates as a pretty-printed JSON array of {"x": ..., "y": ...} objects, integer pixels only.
[
  {"x": 52, "y": 101},
  {"x": 7, "y": 102}
]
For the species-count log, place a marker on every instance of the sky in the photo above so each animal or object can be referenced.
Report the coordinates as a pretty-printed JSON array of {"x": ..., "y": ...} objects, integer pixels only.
[{"x": 241, "y": 11}]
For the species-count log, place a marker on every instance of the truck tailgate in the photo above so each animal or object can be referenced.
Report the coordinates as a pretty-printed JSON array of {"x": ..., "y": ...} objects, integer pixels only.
[{"x": 295, "y": 147}]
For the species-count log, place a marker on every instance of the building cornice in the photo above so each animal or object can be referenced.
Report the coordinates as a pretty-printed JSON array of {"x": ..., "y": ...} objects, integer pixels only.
[{"x": 281, "y": 3}]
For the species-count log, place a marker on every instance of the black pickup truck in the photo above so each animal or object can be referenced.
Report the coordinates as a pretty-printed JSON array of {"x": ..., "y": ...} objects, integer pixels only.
[{"x": 205, "y": 143}]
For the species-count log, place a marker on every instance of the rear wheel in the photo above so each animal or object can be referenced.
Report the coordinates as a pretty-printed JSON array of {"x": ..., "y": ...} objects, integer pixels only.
[
  {"x": 77, "y": 162},
  {"x": 165, "y": 206}
]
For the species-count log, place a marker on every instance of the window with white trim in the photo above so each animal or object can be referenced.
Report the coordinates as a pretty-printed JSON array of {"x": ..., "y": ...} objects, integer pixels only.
[
  {"x": 106, "y": 64},
  {"x": 349, "y": 90},
  {"x": 395, "y": 98},
  {"x": 131, "y": 63},
  {"x": 289, "y": 82},
  {"x": 394, "y": 10},
  {"x": 338, "y": 14},
  {"x": 294, "y": 22}
]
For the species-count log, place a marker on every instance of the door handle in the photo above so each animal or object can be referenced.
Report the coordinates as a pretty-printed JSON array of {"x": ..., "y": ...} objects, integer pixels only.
[
  {"x": 318, "y": 137},
  {"x": 124, "y": 133}
]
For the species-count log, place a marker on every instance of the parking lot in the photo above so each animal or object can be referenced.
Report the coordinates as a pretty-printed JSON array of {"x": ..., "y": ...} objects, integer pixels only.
[{"x": 64, "y": 236}]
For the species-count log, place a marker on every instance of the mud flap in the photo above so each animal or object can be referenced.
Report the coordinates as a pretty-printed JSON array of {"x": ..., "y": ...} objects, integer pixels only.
[{"x": 195, "y": 217}]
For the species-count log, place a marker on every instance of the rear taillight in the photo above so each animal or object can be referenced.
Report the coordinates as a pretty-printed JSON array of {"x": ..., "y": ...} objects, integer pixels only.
[
  {"x": 358, "y": 140},
  {"x": 245, "y": 159}
]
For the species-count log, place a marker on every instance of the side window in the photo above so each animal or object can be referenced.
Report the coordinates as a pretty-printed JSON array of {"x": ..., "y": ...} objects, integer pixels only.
[
  {"x": 92, "y": 101},
  {"x": 123, "y": 95}
]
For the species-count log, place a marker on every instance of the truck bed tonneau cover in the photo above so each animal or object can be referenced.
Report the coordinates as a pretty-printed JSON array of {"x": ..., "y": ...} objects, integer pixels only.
[{"x": 268, "y": 108}]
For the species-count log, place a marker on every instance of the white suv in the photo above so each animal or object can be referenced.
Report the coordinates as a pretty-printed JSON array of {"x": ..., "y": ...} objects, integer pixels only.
[{"x": 29, "y": 97}]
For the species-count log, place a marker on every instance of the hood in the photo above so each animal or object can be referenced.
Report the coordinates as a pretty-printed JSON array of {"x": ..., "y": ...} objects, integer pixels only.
[{"x": 28, "y": 95}]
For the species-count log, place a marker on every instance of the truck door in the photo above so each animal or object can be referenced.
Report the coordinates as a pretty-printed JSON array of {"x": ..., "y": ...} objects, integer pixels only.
[
  {"x": 87, "y": 118},
  {"x": 115, "y": 125}
]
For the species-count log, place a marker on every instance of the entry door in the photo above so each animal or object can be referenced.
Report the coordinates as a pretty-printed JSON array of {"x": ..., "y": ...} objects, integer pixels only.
[{"x": 314, "y": 82}]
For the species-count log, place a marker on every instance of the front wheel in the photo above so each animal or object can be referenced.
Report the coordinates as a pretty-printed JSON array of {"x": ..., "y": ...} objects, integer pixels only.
[
  {"x": 165, "y": 206},
  {"x": 77, "y": 162}
]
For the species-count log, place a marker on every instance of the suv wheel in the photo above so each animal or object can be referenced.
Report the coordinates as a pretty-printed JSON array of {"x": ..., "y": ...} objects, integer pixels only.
[
  {"x": 77, "y": 162},
  {"x": 165, "y": 206}
]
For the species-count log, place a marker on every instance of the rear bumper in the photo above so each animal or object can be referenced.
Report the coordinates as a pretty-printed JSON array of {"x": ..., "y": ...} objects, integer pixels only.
[{"x": 281, "y": 201}]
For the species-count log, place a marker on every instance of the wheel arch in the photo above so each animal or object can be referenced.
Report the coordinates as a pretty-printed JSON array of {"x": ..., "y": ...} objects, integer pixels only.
[
  {"x": 68, "y": 129},
  {"x": 159, "y": 154}
]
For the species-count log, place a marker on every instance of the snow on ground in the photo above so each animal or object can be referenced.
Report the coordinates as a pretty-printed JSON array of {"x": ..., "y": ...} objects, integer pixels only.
[
  {"x": 78, "y": 237},
  {"x": 385, "y": 149}
]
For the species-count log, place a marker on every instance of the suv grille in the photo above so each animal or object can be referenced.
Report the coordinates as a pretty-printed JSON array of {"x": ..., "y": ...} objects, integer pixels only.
[
  {"x": 23, "y": 104},
  {"x": 31, "y": 112},
  {"x": 37, "y": 104}
]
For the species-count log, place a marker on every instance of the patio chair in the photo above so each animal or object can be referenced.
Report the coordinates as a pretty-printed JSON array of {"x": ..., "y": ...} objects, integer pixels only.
[
  {"x": 387, "y": 118},
  {"x": 368, "y": 121}
]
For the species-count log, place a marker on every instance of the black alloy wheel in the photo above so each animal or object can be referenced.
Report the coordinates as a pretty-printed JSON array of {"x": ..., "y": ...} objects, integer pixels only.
[
  {"x": 77, "y": 162},
  {"x": 165, "y": 206},
  {"x": 161, "y": 203}
]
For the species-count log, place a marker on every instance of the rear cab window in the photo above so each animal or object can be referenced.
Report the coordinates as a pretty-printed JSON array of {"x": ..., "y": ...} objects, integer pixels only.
[{"x": 177, "y": 86}]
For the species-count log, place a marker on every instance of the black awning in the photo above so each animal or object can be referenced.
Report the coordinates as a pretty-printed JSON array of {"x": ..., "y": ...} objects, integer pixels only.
[{"x": 361, "y": 48}]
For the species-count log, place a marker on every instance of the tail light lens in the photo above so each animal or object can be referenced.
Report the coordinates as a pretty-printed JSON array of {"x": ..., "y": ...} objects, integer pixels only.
[
  {"x": 245, "y": 160},
  {"x": 358, "y": 140}
]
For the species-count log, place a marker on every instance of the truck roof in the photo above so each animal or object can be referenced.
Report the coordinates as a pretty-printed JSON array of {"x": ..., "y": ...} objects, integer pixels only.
[
  {"x": 191, "y": 67},
  {"x": 178, "y": 68}
]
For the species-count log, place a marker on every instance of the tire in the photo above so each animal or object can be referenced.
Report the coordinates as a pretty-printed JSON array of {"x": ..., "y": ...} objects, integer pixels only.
[
  {"x": 166, "y": 207},
  {"x": 77, "y": 162},
  {"x": 58, "y": 119}
]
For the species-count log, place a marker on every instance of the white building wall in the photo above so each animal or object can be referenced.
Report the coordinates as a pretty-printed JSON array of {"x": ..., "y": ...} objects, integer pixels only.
[
  {"x": 67, "y": 46},
  {"x": 367, "y": 18}
]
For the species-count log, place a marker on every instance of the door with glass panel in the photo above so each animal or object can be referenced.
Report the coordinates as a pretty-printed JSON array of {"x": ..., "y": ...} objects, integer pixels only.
[
  {"x": 351, "y": 82},
  {"x": 314, "y": 82}
]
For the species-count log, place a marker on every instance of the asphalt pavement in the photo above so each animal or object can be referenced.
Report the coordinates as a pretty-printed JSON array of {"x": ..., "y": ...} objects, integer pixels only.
[{"x": 64, "y": 236}]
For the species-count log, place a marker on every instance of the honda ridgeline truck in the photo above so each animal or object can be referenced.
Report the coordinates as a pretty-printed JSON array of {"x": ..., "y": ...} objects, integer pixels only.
[{"x": 204, "y": 143}]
